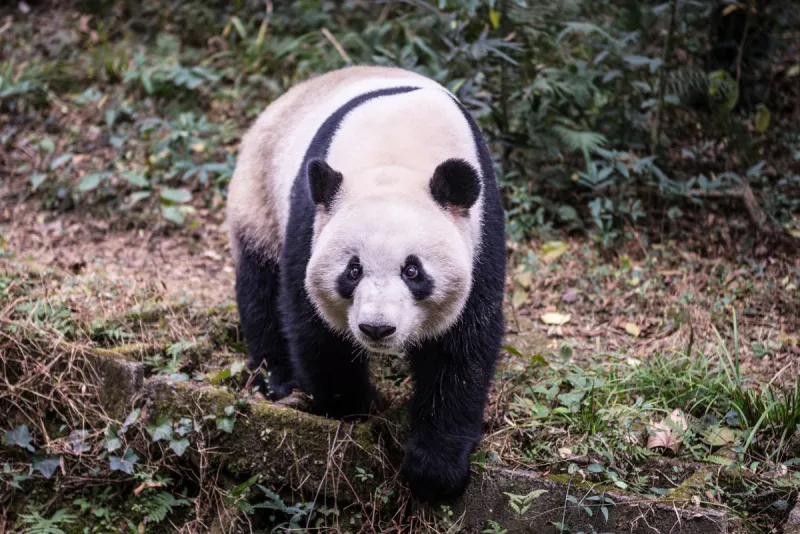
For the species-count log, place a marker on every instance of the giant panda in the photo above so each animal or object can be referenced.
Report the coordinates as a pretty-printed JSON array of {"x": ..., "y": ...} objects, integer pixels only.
[{"x": 365, "y": 218}]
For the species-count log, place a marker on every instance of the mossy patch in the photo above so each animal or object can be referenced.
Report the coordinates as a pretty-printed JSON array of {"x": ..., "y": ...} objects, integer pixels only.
[{"x": 289, "y": 448}]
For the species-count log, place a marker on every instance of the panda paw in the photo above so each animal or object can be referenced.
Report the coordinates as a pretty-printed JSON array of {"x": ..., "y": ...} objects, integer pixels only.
[
  {"x": 279, "y": 389},
  {"x": 434, "y": 473},
  {"x": 352, "y": 407},
  {"x": 275, "y": 390}
]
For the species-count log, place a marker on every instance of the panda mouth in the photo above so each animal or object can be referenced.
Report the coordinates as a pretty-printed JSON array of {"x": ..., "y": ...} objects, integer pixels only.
[{"x": 389, "y": 351}]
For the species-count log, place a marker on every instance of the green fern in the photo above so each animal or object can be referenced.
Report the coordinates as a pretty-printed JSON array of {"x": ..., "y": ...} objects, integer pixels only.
[
  {"x": 585, "y": 141},
  {"x": 41, "y": 525},
  {"x": 160, "y": 505},
  {"x": 177, "y": 349},
  {"x": 687, "y": 83}
]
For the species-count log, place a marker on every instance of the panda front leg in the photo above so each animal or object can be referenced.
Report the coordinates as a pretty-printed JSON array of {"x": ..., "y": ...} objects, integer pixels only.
[
  {"x": 332, "y": 370},
  {"x": 257, "y": 290},
  {"x": 451, "y": 387}
]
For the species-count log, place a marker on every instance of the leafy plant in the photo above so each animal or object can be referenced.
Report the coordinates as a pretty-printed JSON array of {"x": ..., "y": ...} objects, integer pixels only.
[
  {"x": 522, "y": 503},
  {"x": 295, "y": 516},
  {"x": 20, "y": 437},
  {"x": 40, "y": 525},
  {"x": 158, "y": 506}
]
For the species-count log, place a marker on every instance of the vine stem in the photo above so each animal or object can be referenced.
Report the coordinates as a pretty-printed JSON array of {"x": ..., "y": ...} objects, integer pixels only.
[
  {"x": 662, "y": 81},
  {"x": 749, "y": 8}
]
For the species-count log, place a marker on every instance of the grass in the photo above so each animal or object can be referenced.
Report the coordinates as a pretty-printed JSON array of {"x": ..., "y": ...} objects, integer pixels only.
[{"x": 611, "y": 420}]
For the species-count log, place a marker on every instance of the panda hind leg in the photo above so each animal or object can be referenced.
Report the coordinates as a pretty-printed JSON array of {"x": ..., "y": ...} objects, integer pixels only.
[{"x": 257, "y": 291}]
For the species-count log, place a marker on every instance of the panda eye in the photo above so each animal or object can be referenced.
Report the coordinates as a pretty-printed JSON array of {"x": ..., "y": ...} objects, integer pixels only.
[
  {"x": 411, "y": 271},
  {"x": 355, "y": 272}
]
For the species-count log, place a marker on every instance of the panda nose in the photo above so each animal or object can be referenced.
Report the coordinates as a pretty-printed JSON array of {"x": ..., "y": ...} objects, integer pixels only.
[{"x": 377, "y": 331}]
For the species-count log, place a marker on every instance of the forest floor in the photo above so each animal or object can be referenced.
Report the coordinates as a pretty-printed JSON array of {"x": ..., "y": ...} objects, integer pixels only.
[{"x": 631, "y": 337}]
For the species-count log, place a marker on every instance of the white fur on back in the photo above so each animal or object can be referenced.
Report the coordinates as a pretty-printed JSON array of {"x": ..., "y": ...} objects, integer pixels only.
[
  {"x": 389, "y": 147},
  {"x": 272, "y": 150}
]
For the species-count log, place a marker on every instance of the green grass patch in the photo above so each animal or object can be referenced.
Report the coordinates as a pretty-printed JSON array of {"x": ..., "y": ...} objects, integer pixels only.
[{"x": 641, "y": 424}]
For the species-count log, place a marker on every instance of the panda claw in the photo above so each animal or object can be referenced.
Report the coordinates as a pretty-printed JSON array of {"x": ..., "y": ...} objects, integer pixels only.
[{"x": 274, "y": 390}]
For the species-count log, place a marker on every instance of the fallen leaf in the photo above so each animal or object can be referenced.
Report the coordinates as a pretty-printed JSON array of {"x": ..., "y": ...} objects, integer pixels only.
[
  {"x": 634, "y": 362},
  {"x": 518, "y": 298},
  {"x": 553, "y": 249},
  {"x": 731, "y": 8},
  {"x": 632, "y": 329},
  {"x": 556, "y": 319},
  {"x": 525, "y": 279},
  {"x": 717, "y": 436},
  {"x": 667, "y": 433},
  {"x": 570, "y": 295},
  {"x": 555, "y": 331},
  {"x": 212, "y": 254},
  {"x": 762, "y": 118}
]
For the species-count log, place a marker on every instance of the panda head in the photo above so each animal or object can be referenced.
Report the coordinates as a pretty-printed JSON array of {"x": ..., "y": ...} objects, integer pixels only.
[{"x": 390, "y": 269}]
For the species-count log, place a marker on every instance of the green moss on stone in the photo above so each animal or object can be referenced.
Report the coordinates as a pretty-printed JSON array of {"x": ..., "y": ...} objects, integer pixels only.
[
  {"x": 284, "y": 445},
  {"x": 574, "y": 482},
  {"x": 132, "y": 352}
]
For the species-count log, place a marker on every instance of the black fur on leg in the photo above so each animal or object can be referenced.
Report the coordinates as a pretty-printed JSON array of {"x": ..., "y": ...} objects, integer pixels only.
[
  {"x": 257, "y": 288},
  {"x": 452, "y": 377},
  {"x": 332, "y": 371}
]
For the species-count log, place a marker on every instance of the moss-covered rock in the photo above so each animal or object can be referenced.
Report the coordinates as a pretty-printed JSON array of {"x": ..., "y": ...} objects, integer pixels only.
[
  {"x": 118, "y": 376},
  {"x": 291, "y": 449}
]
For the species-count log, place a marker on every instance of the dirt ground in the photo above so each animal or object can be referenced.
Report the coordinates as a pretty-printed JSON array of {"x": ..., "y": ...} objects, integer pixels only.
[{"x": 192, "y": 264}]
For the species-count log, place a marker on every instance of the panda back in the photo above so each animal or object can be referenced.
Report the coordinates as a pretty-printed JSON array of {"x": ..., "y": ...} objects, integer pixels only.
[{"x": 272, "y": 151}]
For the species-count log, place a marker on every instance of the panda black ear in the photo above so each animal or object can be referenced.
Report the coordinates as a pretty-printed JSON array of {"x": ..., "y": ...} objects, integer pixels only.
[
  {"x": 455, "y": 184},
  {"x": 323, "y": 181}
]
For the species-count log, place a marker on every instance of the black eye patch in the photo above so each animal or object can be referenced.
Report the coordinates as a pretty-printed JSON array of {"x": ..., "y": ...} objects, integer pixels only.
[
  {"x": 419, "y": 282},
  {"x": 347, "y": 282}
]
